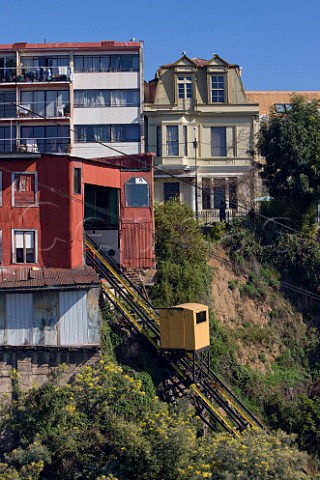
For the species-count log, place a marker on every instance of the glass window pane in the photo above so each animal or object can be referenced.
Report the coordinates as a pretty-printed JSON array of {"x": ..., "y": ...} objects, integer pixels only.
[
  {"x": 137, "y": 192},
  {"x": 172, "y": 140},
  {"x": 218, "y": 142},
  {"x": 78, "y": 64}
]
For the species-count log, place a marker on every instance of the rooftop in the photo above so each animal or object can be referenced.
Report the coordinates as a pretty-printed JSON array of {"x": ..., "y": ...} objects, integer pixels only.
[
  {"x": 267, "y": 99},
  {"x": 26, "y": 277},
  {"x": 103, "y": 45}
]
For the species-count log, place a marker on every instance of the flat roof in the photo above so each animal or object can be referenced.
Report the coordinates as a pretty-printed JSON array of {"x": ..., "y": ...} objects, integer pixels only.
[{"x": 65, "y": 46}]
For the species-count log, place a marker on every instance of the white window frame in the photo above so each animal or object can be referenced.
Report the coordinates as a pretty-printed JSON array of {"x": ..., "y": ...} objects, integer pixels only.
[
  {"x": 217, "y": 89},
  {"x": 13, "y": 177},
  {"x": 172, "y": 144},
  {"x": 184, "y": 80},
  {"x": 22, "y": 230}
]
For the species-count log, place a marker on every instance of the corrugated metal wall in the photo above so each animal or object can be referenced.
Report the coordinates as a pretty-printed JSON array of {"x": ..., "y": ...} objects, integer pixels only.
[
  {"x": 45, "y": 318},
  {"x": 19, "y": 318},
  {"x": 69, "y": 318},
  {"x": 73, "y": 318},
  {"x": 138, "y": 251}
]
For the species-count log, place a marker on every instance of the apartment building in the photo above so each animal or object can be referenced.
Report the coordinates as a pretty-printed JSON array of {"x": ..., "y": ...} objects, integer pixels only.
[
  {"x": 79, "y": 98},
  {"x": 201, "y": 127}
]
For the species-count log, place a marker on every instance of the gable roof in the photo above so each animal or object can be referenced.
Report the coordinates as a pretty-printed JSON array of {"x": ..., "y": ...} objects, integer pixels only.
[
  {"x": 267, "y": 99},
  {"x": 199, "y": 62}
]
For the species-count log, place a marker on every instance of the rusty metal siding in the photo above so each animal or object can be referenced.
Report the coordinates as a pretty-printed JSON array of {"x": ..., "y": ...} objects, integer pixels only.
[
  {"x": 137, "y": 242},
  {"x": 19, "y": 318},
  {"x": 3, "y": 329},
  {"x": 94, "y": 316},
  {"x": 73, "y": 318},
  {"x": 45, "y": 318}
]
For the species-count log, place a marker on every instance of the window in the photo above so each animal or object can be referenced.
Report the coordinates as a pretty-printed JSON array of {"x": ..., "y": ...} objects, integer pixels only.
[
  {"x": 106, "y": 98},
  {"x": 233, "y": 193},
  {"x": 7, "y": 139},
  {"x": 7, "y": 69},
  {"x": 159, "y": 141},
  {"x": 107, "y": 133},
  {"x": 282, "y": 107},
  {"x": 53, "y": 139},
  {"x": 7, "y": 104},
  {"x": 171, "y": 190},
  {"x": 24, "y": 246},
  {"x": 201, "y": 317},
  {"x": 185, "y": 140},
  {"x": 218, "y": 142},
  {"x": 219, "y": 193},
  {"x": 45, "y": 69},
  {"x": 137, "y": 192},
  {"x": 185, "y": 87},
  {"x": 24, "y": 189},
  {"x": 50, "y": 103},
  {"x": 106, "y": 63},
  {"x": 77, "y": 180},
  {"x": 206, "y": 193},
  {"x": 217, "y": 89},
  {"x": 172, "y": 140}
]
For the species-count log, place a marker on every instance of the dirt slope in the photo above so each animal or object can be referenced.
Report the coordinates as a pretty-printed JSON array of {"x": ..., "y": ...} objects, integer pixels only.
[{"x": 258, "y": 326}]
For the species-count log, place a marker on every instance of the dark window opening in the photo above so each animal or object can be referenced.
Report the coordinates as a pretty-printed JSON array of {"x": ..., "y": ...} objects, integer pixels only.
[
  {"x": 233, "y": 193},
  {"x": 101, "y": 209},
  {"x": 171, "y": 190},
  {"x": 206, "y": 193},
  {"x": 201, "y": 317},
  {"x": 77, "y": 181}
]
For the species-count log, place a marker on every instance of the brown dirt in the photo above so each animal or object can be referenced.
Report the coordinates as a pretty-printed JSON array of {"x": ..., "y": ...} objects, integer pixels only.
[{"x": 242, "y": 314}]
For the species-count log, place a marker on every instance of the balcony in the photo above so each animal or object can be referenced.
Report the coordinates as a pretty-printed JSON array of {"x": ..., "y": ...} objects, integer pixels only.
[
  {"x": 35, "y": 145},
  {"x": 207, "y": 217},
  {"x": 35, "y": 74},
  {"x": 43, "y": 109}
]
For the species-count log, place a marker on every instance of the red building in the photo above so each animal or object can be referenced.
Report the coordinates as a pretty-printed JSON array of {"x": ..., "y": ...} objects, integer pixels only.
[{"x": 48, "y": 201}]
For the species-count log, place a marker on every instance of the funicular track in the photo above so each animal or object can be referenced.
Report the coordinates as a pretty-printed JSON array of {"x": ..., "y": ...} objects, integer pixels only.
[{"x": 217, "y": 406}]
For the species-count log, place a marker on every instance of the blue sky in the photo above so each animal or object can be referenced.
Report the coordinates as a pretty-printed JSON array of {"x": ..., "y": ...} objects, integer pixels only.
[{"x": 275, "y": 41}]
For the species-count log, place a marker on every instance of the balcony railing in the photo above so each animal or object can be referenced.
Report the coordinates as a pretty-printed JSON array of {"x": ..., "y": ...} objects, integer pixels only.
[
  {"x": 35, "y": 74},
  {"x": 211, "y": 216},
  {"x": 36, "y": 145},
  {"x": 43, "y": 109}
]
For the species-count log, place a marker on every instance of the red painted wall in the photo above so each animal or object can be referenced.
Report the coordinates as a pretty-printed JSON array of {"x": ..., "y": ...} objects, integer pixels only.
[
  {"x": 137, "y": 227},
  {"x": 58, "y": 218}
]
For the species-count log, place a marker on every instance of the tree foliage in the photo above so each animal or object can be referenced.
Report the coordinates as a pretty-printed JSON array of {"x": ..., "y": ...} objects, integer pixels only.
[
  {"x": 290, "y": 145},
  {"x": 182, "y": 253},
  {"x": 105, "y": 426}
]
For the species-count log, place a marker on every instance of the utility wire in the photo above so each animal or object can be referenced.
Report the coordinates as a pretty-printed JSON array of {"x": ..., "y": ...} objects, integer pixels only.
[{"x": 116, "y": 150}]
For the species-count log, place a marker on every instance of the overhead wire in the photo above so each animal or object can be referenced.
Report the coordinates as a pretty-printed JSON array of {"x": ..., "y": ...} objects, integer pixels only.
[
  {"x": 139, "y": 160},
  {"x": 139, "y": 225}
]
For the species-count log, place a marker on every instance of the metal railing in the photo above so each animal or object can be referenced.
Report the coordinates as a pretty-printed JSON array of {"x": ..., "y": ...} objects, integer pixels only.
[
  {"x": 35, "y": 74},
  {"x": 211, "y": 216},
  {"x": 35, "y": 145},
  {"x": 43, "y": 109}
]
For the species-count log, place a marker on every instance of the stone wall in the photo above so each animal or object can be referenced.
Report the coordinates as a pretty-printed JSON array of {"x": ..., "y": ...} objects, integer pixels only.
[{"x": 34, "y": 364}]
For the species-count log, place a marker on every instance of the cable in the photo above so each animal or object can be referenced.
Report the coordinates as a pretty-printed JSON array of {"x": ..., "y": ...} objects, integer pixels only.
[
  {"x": 155, "y": 167},
  {"x": 70, "y": 197}
]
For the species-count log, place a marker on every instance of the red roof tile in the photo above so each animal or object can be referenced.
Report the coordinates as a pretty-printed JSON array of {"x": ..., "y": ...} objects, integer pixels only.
[{"x": 268, "y": 99}]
